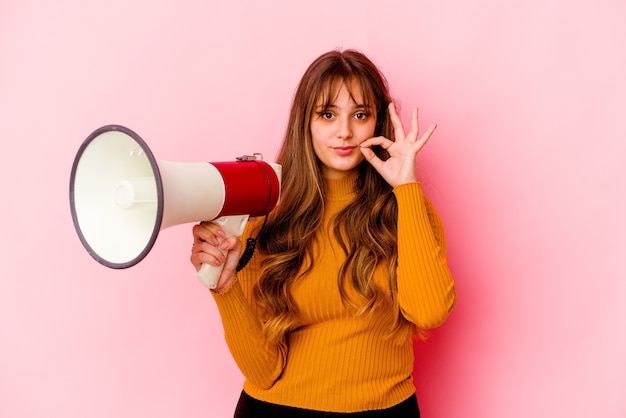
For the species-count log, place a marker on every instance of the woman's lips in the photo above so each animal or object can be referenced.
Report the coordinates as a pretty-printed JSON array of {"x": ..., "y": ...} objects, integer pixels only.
[{"x": 343, "y": 151}]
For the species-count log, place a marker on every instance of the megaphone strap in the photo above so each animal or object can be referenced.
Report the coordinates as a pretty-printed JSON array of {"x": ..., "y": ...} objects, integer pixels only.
[
  {"x": 247, "y": 254},
  {"x": 249, "y": 250}
]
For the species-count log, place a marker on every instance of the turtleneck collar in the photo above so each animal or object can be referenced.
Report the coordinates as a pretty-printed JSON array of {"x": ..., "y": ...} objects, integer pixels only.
[{"x": 341, "y": 190}]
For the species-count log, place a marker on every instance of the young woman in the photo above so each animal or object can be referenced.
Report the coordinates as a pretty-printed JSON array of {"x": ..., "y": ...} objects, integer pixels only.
[{"x": 349, "y": 265}]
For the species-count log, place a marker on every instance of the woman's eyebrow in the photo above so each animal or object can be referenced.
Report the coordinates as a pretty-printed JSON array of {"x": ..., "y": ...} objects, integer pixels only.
[{"x": 334, "y": 106}]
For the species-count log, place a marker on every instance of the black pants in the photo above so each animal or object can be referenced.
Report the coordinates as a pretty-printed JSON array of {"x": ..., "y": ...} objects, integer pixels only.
[{"x": 249, "y": 407}]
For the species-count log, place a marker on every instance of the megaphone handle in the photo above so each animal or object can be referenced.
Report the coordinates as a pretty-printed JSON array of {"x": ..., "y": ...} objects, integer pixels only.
[
  {"x": 209, "y": 275},
  {"x": 233, "y": 226}
]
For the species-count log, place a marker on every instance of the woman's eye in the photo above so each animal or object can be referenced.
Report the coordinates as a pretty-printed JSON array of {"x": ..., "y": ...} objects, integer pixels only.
[
  {"x": 326, "y": 115},
  {"x": 361, "y": 116}
]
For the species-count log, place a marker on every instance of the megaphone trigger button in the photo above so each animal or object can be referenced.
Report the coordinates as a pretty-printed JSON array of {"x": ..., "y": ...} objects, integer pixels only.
[{"x": 253, "y": 157}]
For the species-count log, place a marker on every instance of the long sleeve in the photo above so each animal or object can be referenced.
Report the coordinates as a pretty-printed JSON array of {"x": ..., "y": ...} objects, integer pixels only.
[
  {"x": 425, "y": 286},
  {"x": 259, "y": 362}
]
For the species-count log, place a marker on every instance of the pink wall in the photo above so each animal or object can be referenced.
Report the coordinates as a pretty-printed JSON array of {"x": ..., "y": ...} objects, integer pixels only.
[{"x": 527, "y": 169}]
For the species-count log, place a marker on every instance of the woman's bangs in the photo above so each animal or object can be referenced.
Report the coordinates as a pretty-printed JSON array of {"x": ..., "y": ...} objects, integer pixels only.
[
  {"x": 367, "y": 92},
  {"x": 330, "y": 88},
  {"x": 328, "y": 91}
]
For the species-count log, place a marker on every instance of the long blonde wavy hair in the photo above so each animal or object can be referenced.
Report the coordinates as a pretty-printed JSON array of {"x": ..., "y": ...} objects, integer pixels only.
[{"x": 286, "y": 241}]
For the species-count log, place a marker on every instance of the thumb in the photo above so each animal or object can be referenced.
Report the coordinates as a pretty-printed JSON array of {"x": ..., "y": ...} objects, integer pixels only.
[{"x": 371, "y": 157}]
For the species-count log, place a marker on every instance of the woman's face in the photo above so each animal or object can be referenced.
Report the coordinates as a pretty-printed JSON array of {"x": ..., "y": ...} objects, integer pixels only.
[{"x": 338, "y": 130}]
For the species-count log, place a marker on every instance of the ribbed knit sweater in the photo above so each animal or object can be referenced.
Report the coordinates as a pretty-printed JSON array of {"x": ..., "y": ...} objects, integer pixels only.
[{"x": 336, "y": 361}]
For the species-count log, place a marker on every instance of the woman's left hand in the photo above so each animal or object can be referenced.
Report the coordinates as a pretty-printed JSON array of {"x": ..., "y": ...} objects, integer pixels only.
[{"x": 399, "y": 168}]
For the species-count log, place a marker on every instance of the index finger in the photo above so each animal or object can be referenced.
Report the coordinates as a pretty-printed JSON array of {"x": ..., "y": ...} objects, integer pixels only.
[{"x": 207, "y": 231}]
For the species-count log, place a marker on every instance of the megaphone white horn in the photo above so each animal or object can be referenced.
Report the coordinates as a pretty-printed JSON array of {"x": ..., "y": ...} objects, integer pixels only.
[{"x": 121, "y": 196}]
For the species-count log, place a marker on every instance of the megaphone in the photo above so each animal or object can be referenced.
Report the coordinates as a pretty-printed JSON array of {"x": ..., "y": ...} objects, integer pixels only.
[{"x": 121, "y": 197}]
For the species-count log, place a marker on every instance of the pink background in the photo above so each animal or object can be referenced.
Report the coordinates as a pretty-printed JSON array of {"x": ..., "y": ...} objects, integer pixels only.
[{"x": 527, "y": 169}]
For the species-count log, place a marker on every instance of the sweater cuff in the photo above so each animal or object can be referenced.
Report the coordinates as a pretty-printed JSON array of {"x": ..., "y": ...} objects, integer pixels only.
[
  {"x": 224, "y": 291},
  {"x": 409, "y": 191},
  {"x": 231, "y": 298}
]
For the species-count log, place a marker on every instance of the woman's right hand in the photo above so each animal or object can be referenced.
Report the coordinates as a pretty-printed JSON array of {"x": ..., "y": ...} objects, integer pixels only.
[{"x": 212, "y": 246}]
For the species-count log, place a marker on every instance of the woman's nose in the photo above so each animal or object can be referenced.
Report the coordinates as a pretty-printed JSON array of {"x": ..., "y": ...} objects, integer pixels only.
[{"x": 344, "y": 129}]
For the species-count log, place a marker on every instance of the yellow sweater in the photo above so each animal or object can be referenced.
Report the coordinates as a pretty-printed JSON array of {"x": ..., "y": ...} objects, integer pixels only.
[{"x": 335, "y": 361}]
